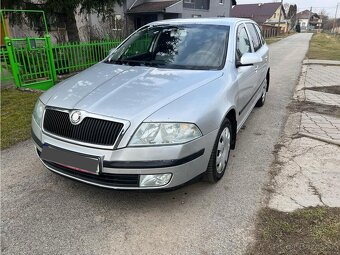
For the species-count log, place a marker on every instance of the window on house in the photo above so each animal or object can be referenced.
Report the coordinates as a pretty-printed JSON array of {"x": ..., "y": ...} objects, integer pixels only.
[
  {"x": 117, "y": 22},
  {"x": 197, "y": 4},
  {"x": 254, "y": 36},
  {"x": 242, "y": 43}
]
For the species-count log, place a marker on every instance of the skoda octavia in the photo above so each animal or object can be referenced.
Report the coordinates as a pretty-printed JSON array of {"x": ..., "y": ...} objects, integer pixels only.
[{"x": 162, "y": 108}]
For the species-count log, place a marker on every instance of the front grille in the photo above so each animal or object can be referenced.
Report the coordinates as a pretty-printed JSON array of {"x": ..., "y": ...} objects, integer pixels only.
[
  {"x": 114, "y": 180},
  {"x": 90, "y": 130}
]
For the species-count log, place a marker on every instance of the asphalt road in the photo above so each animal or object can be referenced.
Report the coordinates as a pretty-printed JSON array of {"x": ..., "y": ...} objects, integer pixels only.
[{"x": 44, "y": 213}]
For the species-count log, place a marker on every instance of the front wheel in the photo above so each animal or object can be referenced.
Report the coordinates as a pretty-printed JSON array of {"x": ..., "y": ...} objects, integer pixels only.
[{"x": 220, "y": 154}]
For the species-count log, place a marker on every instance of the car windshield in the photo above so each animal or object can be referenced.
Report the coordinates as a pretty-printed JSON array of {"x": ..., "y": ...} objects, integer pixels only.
[{"x": 192, "y": 46}]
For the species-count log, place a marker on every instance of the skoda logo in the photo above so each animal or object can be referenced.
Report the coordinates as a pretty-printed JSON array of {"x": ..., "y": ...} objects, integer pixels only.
[{"x": 75, "y": 117}]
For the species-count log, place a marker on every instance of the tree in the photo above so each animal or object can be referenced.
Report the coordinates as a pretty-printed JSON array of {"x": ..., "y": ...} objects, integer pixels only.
[
  {"x": 292, "y": 11},
  {"x": 64, "y": 10},
  {"x": 292, "y": 15}
]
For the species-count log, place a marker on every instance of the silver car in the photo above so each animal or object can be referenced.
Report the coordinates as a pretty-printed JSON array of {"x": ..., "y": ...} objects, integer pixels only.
[{"x": 164, "y": 107}]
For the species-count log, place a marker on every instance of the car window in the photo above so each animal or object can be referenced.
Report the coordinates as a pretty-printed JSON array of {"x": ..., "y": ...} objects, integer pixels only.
[
  {"x": 259, "y": 30},
  {"x": 242, "y": 43},
  {"x": 254, "y": 36}
]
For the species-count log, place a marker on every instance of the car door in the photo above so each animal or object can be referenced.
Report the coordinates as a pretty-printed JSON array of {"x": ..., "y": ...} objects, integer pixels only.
[
  {"x": 262, "y": 50},
  {"x": 246, "y": 75}
]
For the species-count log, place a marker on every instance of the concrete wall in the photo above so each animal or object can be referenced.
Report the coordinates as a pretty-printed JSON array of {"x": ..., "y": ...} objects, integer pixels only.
[{"x": 92, "y": 24}]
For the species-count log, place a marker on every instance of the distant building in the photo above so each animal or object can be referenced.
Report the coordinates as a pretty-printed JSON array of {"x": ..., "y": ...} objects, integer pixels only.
[
  {"x": 133, "y": 14},
  {"x": 267, "y": 14},
  {"x": 309, "y": 20}
]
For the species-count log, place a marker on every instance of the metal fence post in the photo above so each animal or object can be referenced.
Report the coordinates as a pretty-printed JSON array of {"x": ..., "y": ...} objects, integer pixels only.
[
  {"x": 11, "y": 58},
  {"x": 51, "y": 58}
]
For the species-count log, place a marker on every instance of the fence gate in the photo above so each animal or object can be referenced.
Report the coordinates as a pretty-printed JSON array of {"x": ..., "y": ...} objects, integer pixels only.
[{"x": 30, "y": 58}]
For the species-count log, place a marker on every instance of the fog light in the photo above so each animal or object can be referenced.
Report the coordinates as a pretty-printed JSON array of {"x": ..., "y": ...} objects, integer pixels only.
[{"x": 154, "y": 180}]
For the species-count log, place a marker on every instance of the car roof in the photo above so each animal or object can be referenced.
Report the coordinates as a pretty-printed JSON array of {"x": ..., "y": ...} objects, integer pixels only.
[{"x": 209, "y": 21}]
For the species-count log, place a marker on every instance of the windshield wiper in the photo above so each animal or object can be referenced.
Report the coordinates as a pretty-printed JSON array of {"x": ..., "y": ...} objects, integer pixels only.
[{"x": 132, "y": 62}]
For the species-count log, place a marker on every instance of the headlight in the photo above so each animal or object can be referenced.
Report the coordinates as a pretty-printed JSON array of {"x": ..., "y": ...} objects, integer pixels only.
[
  {"x": 38, "y": 112},
  {"x": 164, "y": 134}
]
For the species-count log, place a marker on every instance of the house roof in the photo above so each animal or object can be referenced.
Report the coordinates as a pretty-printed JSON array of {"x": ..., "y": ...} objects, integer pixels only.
[
  {"x": 306, "y": 14},
  {"x": 151, "y": 7},
  {"x": 257, "y": 12}
]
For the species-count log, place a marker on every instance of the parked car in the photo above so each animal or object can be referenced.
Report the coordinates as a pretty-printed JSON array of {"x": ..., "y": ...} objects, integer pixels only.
[{"x": 164, "y": 107}]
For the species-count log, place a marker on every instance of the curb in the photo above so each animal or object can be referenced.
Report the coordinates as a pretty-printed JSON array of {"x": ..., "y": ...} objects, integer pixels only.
[
  {"x": 321, "y": 138},
  {"x": 320, "y": 62}
]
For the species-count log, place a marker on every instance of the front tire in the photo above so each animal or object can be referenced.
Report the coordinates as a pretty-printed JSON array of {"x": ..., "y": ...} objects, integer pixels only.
[{"x": 220, "y": 154}]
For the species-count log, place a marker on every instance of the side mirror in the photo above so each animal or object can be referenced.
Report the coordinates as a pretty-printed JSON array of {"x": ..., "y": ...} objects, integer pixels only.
[{"x": 249, "y": 59}]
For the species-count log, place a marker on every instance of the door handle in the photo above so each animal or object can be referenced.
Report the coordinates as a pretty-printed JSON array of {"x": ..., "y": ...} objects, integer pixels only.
[
  {"x": 256, "y": 68},
  {"x": 266, "y": 58}
]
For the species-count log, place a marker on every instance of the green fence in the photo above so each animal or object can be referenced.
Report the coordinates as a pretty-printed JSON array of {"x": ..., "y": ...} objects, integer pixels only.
[
  {"x": 71, "y": 57},
  {"x": 6, "y": 74},
  {"x": 33, "y": 63},
  {"x": 67, "y": 58}
]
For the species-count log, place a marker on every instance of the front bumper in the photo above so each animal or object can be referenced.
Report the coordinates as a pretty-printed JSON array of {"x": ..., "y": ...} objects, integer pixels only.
[{"x": 122, "y": 168}]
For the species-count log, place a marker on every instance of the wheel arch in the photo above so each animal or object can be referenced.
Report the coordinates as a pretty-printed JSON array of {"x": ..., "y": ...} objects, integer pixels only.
[{"x": 231, "y": 115}]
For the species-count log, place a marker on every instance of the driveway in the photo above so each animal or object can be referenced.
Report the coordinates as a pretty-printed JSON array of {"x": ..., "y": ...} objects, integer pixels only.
[{"x": 44, "y": 213}]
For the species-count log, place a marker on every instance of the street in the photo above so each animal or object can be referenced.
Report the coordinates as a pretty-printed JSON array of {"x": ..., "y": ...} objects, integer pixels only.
[{"x": 44, "y": 213}]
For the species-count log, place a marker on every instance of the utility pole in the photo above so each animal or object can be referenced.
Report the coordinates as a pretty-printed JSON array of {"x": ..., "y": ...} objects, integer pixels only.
[
  {"x": 336, "y": 14},
  {"x": 280, "y": 16}
]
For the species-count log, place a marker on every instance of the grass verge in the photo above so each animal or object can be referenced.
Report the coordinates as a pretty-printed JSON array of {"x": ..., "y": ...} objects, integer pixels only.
[
  {"x": 325, "y": 47},
  {"x": 16, "y": 109},
  {"x": 305, "y": 231}
]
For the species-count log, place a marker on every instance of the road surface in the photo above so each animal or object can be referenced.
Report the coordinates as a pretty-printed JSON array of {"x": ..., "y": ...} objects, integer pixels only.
[{"x": 44, "y": 213}]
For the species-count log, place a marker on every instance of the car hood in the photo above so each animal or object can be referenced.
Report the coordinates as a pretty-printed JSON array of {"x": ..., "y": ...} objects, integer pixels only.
[{"x": 125, "y": 91}]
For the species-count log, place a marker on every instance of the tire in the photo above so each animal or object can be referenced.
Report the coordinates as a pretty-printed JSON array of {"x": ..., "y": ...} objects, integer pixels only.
[
  {"x": 216, "y": 170},
  {"x": 262, "y": 99}
]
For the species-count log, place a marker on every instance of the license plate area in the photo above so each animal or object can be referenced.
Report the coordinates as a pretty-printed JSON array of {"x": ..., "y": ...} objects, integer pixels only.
[{"x": 75, "y": 161}]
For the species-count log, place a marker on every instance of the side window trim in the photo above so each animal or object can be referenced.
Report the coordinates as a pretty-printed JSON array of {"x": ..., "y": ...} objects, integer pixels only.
[
  {"x": 239, "y": 27},
  {"x": 259, "y": 30},
  {"x": 252, "y": 42},
  {"x": 258, "y": 36}
]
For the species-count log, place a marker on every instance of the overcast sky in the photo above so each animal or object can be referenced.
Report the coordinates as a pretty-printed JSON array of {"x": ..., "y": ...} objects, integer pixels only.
[{"x": 328, "y": 5}]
